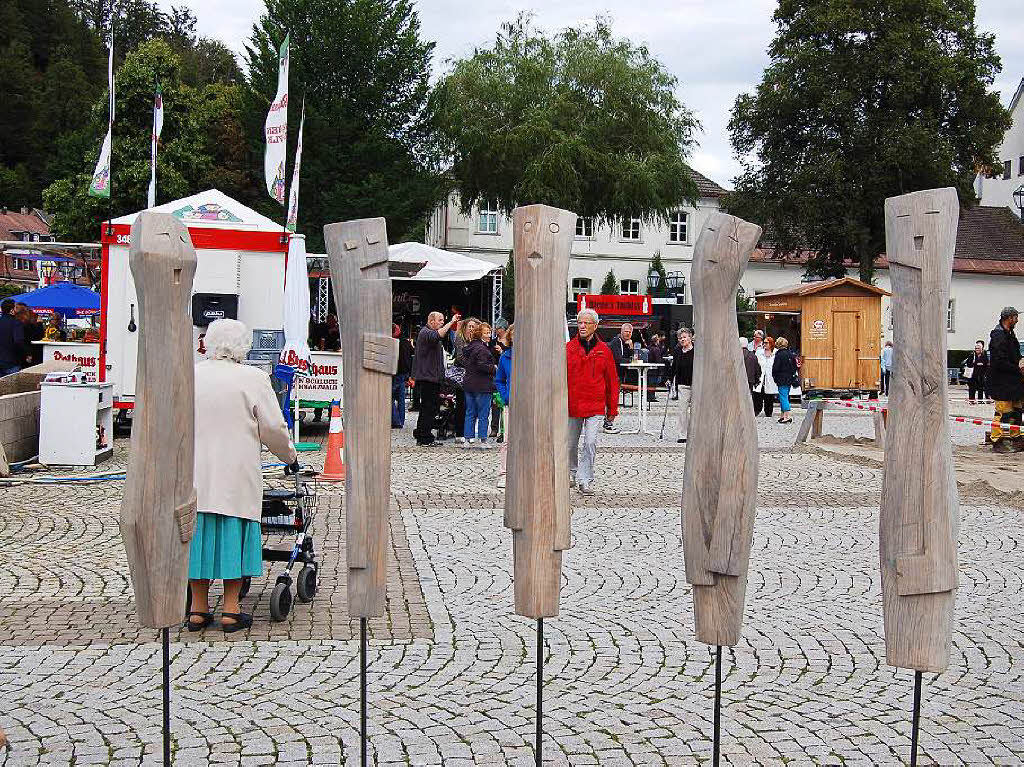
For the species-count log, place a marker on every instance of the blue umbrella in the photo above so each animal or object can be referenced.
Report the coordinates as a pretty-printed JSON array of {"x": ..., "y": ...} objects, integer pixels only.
[{"x": 64, "y": 298}]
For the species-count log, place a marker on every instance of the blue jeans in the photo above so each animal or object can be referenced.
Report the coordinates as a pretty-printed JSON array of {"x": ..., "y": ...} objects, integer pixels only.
[
  {"x": 478, "y": 413},
  {"x": 398, "y": 401},
  {"x": 784, "y": 400}
]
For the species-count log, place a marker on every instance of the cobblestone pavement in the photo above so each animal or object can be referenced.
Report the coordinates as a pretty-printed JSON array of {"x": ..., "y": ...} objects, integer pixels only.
[{"x": 452, "y": 669}]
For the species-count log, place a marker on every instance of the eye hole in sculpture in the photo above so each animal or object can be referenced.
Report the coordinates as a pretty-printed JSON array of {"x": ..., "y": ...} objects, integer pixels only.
[
  {"x": 177, "y": 276},
  {"x": 528, "y": 226},
  {"x": 534, "y": 259},
  {"x": 553, "y": 227},
  {"x": 918, "y": 242}
]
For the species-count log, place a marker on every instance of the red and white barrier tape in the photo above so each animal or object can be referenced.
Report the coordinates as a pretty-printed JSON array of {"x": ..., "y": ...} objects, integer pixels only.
[{"x": 956, "y": 418}]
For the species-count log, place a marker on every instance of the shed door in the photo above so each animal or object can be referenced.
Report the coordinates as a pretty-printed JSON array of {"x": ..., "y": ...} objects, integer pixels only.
[{"x": 845, "y": 349}]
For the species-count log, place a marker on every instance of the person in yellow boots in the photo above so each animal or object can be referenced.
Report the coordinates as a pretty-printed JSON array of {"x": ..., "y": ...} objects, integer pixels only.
[{"x": 1006, "y": 383}]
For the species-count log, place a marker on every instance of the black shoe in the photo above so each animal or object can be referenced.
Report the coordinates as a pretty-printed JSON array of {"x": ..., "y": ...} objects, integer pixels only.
[
  {"x": 241, "y": 621},
  {"x": 681, "y": 440},
  {"x": 207, "y": 619}
]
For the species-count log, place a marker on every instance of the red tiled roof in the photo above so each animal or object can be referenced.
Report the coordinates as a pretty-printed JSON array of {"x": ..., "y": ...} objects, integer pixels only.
[
  {"x": 706, "y": 186},
  {"x": 989, "y": 240},
  {"x": 13, "y": 221}
]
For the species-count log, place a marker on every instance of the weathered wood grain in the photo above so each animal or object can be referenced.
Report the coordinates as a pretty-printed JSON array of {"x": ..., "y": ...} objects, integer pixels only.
[
  {"x": 537, "y": 486},
  {"x": 920, "y": 507},
  {"x": 720, "y": 478},
  {"x": 158, "y": 509},
  {"x": 358, "y": 253}
]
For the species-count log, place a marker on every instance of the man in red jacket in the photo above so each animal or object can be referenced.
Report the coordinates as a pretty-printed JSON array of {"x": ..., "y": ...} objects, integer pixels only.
[{"x": 593, "y": 397}]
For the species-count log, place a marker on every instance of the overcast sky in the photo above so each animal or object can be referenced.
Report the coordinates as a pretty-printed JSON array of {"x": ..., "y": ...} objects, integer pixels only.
[{"x": 716, "y": 49}]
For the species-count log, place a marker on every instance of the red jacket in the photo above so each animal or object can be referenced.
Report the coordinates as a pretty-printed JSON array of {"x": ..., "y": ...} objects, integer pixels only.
[{"x": 593, "y": 380}]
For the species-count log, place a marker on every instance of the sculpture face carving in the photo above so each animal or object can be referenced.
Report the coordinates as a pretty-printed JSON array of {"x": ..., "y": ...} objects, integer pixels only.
[
  {"x": 919, "y": 510},
  {"x": 537, "y": 488},
  {"x": 158, "y": 510},
  {"x": 358, "y": 253},
  {"x": 720, "y": 478}
]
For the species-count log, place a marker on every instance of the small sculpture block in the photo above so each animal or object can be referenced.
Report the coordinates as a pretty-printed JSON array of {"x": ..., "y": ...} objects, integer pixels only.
[
  {"x": 919, "y": 514},
  {"x": 358, "y": 252},
  {"x": 158, "y": 509},
  {"x": 720, "y": 478},
  {"x": 537, "y": 486}
]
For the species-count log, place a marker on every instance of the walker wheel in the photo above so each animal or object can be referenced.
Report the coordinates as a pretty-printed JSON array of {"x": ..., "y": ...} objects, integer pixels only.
[
  {"x": 246, "y": 584},
  {"x": 305, "y": 586},
  {"x": 280, "y": 602}
]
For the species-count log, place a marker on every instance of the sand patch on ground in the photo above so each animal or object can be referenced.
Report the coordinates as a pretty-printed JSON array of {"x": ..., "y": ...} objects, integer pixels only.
[{"x": 976, "y": 465}]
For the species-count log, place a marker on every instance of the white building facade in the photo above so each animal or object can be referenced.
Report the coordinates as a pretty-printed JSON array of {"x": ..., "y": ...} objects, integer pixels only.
[{"x": 997, "y": 190}]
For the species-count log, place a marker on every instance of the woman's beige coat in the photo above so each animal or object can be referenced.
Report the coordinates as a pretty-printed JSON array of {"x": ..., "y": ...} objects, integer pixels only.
[{"x": 236, "y": 412}]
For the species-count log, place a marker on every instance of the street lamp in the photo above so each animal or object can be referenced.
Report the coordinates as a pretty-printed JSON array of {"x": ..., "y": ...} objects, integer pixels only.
[
  {"x": 653, "y": 280},
  {"x": 1018, "y": 199}
]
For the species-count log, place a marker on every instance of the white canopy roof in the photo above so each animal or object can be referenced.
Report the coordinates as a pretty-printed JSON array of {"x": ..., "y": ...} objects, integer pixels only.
[
  {"x": 214, "y": 209},
  {"x": 441, "y": 265}
]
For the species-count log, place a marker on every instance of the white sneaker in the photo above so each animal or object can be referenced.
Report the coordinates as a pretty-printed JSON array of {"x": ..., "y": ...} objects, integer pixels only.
[
  {"x": 586, "y": 489},
  {"x": 611, "y": 428},
  {"x": 459, "y": 440}
]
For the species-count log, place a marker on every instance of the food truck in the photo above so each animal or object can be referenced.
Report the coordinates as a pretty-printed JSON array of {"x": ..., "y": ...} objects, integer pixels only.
[
  {"x": 834, "y": 326},
  {"x": 239, "y": 274}
]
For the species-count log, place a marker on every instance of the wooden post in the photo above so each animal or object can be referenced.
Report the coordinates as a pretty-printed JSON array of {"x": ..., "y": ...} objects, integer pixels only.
[
  {"x": 358, "y": 253},
  {"x": 720, "y": 478},
  {"x": 537, "y": 490},
  {"x": 812, "y": 417},
  {"x": 879, "y": 422},
  {"x": 158, "y": 509},
  {"x": 919, "y": 511}
]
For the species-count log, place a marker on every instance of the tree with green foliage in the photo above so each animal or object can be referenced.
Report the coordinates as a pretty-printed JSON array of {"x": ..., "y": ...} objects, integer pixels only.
[
  {"x": 201, "y": 146},
  {"x": 364, "y": 71},
  {"x": 610, "y": 286},
  {"x": 580, "y": 120},
  {"x": 862, "y": 100},
  {"x": 747, "y": 323}
]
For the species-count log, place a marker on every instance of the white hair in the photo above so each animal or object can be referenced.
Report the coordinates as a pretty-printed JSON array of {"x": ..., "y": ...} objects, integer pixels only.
[
  {"x": 227, "y": 340},
  {"x": 758, "y": 333},
  {"x": 588, "y": 313},
  {"x": 743, "y": 342}
]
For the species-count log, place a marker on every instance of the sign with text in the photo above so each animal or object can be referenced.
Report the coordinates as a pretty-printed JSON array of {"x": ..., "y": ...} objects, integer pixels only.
[
  {"x": 85, "y": 355},
  {"x": 618, "y": 305}
]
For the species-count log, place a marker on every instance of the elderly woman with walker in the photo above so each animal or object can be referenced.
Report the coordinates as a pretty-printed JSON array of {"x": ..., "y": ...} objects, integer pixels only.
[{"x": 236, "y": 413}]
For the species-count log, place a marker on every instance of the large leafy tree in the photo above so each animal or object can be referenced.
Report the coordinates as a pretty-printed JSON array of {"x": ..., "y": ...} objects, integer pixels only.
[
  {"x": 201, "y": 144},
  {"x": 862, "y": 100},
  {"x": 363, "y": 69},
  {"x": 581, "y": 120}
]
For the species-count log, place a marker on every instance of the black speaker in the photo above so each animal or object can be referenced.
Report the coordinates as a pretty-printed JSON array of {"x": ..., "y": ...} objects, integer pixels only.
[{"x": 207, "y": 307}]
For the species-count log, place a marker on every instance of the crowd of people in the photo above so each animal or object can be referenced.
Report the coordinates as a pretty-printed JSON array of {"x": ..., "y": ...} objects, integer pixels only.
[{"x": 20, "y": 326}]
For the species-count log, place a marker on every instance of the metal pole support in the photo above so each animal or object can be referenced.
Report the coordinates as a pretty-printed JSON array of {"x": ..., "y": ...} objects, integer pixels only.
[
  {"x": 916, "y": 721},
  {"x": 166, "y": 641},
  {"x": 362, "y": 691},
  {"x": 718, "y": 707},
  {"x": 540, "y": 690}
]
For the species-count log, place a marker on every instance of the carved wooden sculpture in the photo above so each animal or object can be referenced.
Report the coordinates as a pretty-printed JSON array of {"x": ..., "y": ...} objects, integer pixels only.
[
  {"x": 537, "y": 488},
  {"x": 358, "y": 252},
  {"x": 158, "y": 510},
  {"x": 919, "y": 513},
  {"x": 720, "y": 479}
]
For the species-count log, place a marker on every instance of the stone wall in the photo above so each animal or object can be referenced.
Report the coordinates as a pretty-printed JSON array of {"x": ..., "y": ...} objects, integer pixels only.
[{"x": 19, "y": 425}]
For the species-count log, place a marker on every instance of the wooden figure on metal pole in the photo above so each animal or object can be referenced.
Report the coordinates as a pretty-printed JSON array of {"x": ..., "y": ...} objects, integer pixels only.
[
  {"x": 918, "y": 520},
  {"x": 358, "y": 253},
  {"x": 158, "y": 510},
  {"x": 537, "y": 488},
  {"x": 720, "y": 478}
]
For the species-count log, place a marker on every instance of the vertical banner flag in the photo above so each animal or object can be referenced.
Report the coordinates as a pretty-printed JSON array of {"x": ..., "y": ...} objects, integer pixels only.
[
  {"x": 158, "y": 125},
  {"x": 293, "y": 194},
  {"x": 276, "y": 130},
  {"x": 100, "y": 185},
  {"x": 295, "y": 353}
]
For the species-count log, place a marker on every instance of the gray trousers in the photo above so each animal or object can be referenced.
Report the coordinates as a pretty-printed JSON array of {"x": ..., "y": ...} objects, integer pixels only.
[
  {"x": 683, "y": 415},
  {"x": 581, "y": 469}
]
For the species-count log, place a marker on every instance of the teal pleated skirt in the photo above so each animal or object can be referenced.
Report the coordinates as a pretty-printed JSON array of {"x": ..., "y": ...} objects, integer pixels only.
[{"x": 225, "y": 548}]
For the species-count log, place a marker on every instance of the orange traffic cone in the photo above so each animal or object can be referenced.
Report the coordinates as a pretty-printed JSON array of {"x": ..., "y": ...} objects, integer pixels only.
[{"x": 334, "y": 465}]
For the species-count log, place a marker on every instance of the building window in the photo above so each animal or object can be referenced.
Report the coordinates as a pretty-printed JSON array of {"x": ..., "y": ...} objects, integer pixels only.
[
  {"x": 584, "y": 228},
  {"x": 580, "y": 287},
  {"x": 1007, "y": 169},
  {"x": 1020, "y": 167},
  {"x": 629, "y": 287},
  {"x": 488, "y": 221},
  {"x": 677, "y": 227},
  {"x": 22, "y": 264},
  {"x": 631, "y": 230},
  {"x": 951, "y": 316}
]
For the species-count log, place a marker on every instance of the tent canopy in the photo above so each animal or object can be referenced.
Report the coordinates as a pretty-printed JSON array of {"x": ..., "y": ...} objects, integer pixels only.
[
  {"x": 441, "y": 265},
  {"x": 65, "y": 298},
  {"x": 212, "y": 208}
]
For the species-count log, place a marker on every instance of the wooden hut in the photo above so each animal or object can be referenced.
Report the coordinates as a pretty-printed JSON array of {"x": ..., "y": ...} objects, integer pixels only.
[{"x": 834, "y": 325}]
